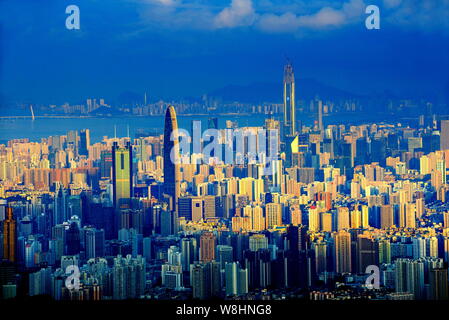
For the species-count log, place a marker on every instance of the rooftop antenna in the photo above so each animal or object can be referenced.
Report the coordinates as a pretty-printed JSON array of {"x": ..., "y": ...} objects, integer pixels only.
[
  {"x": 115, "y": 131},
  {"x": 127, "y": 131},
  {"x": 287, "y": 58}
]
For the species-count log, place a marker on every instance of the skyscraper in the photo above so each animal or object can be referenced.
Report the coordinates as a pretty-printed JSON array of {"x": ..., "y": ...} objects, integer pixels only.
[
  {"x": 410, "y": 277},
  {"x": 258, "y": 241},
  {"x": 446, "y": 220},
  {"x": 444, "y": 135},
  {"x": 343, "y": 221},
  {"x": 212, "y": 123},
  {"x": 343, "y": 257},
  {"x": 105, "y": 164},
  {"x": 122, "y": 175},
  {"x": 128, "y": 277},
  {"x": 289, "y": 101},
  {"x": 273, "y": 213},
  {"x": 314, "y": 219},
  {"x": 200, "y": 281},
  {"x": 366, "y": 252},
  {"x": 384, "y": 251},
  {"x": 326, "y": 222},
  {"x": 386, "y": 216},
  {"x": 172, "y": 175},
  {"x": 224, "y": 255},
  {"x": 236, "y": 279},
  {"x": 320, "y": 117},
  {"x": 72, "y": 140},
  {"x": 189, "y": 252},
  {"x": 73, "y": 239},
  {"x": 207, "y": 247},
  {"x": 9, "y": 236},
  {"x": 84, "y": 142},
  {"x": 94, "y": 243},
  {"x": 439, "y": 284},
  {"x": 60, "y": 207},
  {"x": 209, "y": 207}
]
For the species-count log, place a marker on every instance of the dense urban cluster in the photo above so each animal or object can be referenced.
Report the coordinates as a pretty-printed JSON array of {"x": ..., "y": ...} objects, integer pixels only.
[{"x": 136, "y": 225}]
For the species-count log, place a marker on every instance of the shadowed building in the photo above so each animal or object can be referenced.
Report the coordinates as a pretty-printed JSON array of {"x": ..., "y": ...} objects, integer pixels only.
[
  {"x": 439, "y": 284},
  {"x": 172, "y": 175},
  {"x": 84, "y": 143}
]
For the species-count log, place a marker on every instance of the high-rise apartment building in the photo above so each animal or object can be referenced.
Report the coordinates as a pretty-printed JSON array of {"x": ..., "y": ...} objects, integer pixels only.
[
  {"x": 207, "y": 247},
  {"x": 273, "y": 214},
  {"x": 343, "y": 256}
]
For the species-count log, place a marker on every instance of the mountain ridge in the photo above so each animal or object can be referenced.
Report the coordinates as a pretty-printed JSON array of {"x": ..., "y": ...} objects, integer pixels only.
[{"x": 257, "y": 92}]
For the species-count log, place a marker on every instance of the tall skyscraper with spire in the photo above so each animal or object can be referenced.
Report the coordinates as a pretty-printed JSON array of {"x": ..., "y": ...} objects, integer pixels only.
[
  {"x": 172, "y": 175},
  {"x": 289, "y": 101}
]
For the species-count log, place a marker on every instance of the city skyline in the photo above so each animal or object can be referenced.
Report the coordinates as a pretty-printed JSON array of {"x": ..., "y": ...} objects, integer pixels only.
[
  {"x": 321, "y": 210},
  {"x": 180, "y": 152}
]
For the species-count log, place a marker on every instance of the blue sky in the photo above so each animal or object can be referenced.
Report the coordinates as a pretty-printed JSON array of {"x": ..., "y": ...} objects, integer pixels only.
[{"x": 176, "y": 48}]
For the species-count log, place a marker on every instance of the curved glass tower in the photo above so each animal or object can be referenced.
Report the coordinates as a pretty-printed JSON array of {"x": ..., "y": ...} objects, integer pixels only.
[{"x": 172, "y": 175}]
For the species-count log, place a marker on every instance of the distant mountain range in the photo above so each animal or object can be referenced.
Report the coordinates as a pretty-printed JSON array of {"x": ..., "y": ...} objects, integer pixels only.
[{"x": 272, "y": 92}]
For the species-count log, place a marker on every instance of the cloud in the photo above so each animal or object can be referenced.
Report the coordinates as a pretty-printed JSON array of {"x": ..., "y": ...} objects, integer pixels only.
[
  {"x": 286, "y": 22},
  {"x": 423, "y": 15},
  {"x": 240, "y": 13},
  {"x": 174, "y": 15},
  {"x": 168, "y": 3},
  {"x": 392, "y": 3},
  {"x": 324, "y": 18},
  {"x": 285, "y": 16}
]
